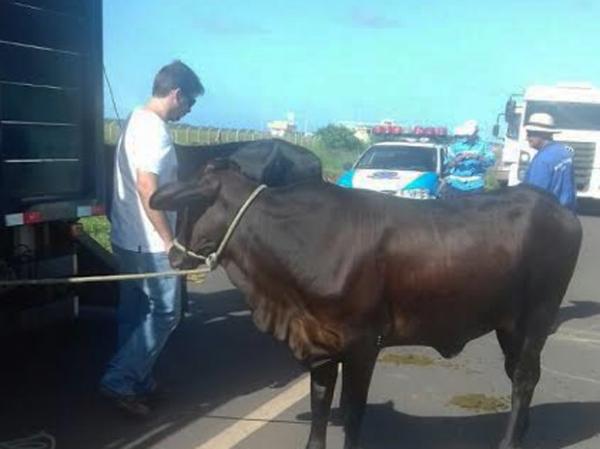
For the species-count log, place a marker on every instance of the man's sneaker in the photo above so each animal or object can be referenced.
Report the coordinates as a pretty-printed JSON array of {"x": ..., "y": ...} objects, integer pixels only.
[{"x": 131, "y": 404}]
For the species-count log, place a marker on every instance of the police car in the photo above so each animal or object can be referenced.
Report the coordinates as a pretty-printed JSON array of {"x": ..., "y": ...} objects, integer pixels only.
[{"x": 409, "y": 169}]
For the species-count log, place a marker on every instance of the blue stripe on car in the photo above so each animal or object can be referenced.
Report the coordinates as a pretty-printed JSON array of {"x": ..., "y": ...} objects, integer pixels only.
[
  {"x": 428, "y": 180},
  {"x": 345, "y": 180}
]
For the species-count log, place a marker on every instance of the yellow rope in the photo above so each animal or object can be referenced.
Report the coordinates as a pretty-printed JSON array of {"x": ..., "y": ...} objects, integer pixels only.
[{"x": 198, "y": 273}]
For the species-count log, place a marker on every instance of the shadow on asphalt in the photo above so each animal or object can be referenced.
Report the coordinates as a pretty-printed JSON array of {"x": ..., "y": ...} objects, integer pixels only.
[
  {"x": 48, "y": 381},
  {"x": 588, "y": 207},
  {"x": 577, "y": 310},
  {"x": 553, "y": 426}
]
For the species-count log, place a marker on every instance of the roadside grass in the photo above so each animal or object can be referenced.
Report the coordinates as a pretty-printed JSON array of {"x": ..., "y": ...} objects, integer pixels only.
[
  {"x": 99, "y": 229},
  {"x": 333, "y": 161},
  {"x": 491, "y": 182}
]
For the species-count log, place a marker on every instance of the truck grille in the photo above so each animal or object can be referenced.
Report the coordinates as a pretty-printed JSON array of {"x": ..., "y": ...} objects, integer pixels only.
[{"x": 583, "y": 162}]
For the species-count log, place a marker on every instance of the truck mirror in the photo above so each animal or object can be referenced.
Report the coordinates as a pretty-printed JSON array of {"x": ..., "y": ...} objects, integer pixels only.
[
  {"x": 496, "y": 130},
  {"x": 509, "y": 110}
]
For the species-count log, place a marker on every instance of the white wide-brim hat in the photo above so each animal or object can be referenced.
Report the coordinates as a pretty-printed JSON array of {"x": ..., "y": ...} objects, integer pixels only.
[
  {"x": 469, "y": 128},
  {"x": 542, "y": 123}
]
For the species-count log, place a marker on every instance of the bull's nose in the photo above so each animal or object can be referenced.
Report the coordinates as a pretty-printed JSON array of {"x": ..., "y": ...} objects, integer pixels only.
[
  {"x": 180, "y": 261},
  {"x": 176, "y": 258}
]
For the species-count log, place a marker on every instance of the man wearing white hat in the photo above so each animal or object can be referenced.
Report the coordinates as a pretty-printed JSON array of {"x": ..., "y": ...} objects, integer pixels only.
[
  {"x": 467, "y": 162},
  {"x": 552, "y": 167}
]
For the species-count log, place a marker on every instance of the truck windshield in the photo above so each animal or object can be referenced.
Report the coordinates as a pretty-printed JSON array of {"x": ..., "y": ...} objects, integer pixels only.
[
  {"x": 399, "y": 158},
  {"x": 512, "y": 131},
  {"x": 576, "y": 116}
]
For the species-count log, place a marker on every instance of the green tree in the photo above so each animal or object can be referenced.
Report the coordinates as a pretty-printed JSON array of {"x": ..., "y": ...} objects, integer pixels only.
[{"x": 336, "y": 137}]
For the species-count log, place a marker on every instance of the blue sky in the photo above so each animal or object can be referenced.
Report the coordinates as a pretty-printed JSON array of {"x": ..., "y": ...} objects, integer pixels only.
[{"x": 429, "y": 62}]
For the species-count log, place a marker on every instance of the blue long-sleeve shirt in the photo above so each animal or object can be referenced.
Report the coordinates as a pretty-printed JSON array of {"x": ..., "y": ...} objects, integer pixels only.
[
  {"x": 467, "y": 162},
  {"x": 552, "y": 170}
]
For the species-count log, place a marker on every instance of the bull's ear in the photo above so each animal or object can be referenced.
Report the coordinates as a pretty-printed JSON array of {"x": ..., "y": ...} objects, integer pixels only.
[
  {"x": 174, "y": 196},
  {"x": 221, "y": 164}
]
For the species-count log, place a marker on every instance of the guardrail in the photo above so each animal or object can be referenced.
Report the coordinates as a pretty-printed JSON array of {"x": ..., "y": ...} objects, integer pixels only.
[{"x": 196, "y": 135}]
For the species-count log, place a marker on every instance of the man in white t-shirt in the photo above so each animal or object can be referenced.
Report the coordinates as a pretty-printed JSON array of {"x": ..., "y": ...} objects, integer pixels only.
[{"x": 149, "y": 310}]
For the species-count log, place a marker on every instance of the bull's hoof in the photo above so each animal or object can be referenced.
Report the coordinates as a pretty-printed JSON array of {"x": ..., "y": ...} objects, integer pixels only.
[
  {"x": 316, "y": 443},
  {"x": 315, "y": 446}
]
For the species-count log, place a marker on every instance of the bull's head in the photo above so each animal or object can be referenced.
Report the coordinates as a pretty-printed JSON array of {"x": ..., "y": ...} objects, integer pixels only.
[{"x": 202, "y": 220}]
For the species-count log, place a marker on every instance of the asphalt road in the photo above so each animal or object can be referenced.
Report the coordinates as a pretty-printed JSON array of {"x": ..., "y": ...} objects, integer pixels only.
[{"x": 233, "y": 387}]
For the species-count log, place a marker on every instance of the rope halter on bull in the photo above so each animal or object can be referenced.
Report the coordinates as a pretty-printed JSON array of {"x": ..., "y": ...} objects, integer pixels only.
[{"x": 212, "y": 260}]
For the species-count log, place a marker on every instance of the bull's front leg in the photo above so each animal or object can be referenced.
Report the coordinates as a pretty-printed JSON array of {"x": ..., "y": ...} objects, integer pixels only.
[
  {"x": 322, "y": 384},
  {"x": 357, "y": 369}
]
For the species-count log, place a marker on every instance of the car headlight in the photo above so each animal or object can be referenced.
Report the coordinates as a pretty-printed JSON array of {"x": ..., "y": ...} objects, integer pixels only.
[{"x": 524, "y": 158}]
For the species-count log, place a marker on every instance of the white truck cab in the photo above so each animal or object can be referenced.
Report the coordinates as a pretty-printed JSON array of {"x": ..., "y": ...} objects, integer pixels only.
[{"x": 576, "y": 111}]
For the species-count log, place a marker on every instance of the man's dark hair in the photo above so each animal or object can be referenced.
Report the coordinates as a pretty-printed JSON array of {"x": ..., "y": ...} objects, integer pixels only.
[{"x": 177, "y": 75}]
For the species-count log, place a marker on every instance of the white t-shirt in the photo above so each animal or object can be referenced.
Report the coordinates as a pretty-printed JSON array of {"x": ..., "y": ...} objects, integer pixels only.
[{"x": 147, "y": 146}]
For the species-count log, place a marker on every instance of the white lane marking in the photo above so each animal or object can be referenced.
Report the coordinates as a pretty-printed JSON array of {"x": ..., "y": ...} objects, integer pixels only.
[
  {"x": 566, "y": 337},
  {"x": 570, "y": 376},
  {"x": 138, "y": 442},
  {"x": 260, "y": 417},
  {"x": 572, "y": 330}
]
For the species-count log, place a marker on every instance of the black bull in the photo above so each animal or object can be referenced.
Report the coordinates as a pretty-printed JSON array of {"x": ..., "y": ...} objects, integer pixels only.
[{"x": 338, "y": 274}]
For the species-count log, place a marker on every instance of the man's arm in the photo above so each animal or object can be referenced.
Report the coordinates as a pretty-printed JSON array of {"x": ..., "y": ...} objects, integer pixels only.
[
  {"x": 488, "y": 158},
  {"x": 147, "y": 184},
  {"x": 539, "y": 174},
  {"x": 453, "y": 156}
]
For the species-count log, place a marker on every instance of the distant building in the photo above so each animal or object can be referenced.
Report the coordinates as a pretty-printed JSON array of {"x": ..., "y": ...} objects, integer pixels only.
[
  {"x": 362, "y": 131},
  {"x": 279, "y": 128}
]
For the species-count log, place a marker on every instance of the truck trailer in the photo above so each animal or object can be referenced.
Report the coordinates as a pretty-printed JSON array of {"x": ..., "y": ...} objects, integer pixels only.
[{"x": 52, "y": 154}]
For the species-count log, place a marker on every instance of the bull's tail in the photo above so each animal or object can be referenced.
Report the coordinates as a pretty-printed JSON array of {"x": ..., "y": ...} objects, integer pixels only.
[
  {"x": 552, "y": 252},
  {"x": 555, "y": 245}
]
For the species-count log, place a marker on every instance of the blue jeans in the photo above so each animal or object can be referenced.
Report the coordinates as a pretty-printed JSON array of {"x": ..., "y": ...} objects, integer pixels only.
[{"x": 149, "y": 310}]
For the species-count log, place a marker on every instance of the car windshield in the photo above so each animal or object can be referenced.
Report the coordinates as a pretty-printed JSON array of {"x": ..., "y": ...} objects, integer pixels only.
[
  {"x": 576, "y": 116},
  {"x": 399, "y": 158}
]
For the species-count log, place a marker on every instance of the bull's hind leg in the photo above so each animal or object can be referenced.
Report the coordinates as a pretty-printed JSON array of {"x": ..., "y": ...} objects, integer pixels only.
[
  {"x": 525, "y": 376},
  {"x": 522, "y": 347},
  {"x": 357, "y": 369},
  {"x": 322, "y": 384},
  {"x": 511, "y": 344}
]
